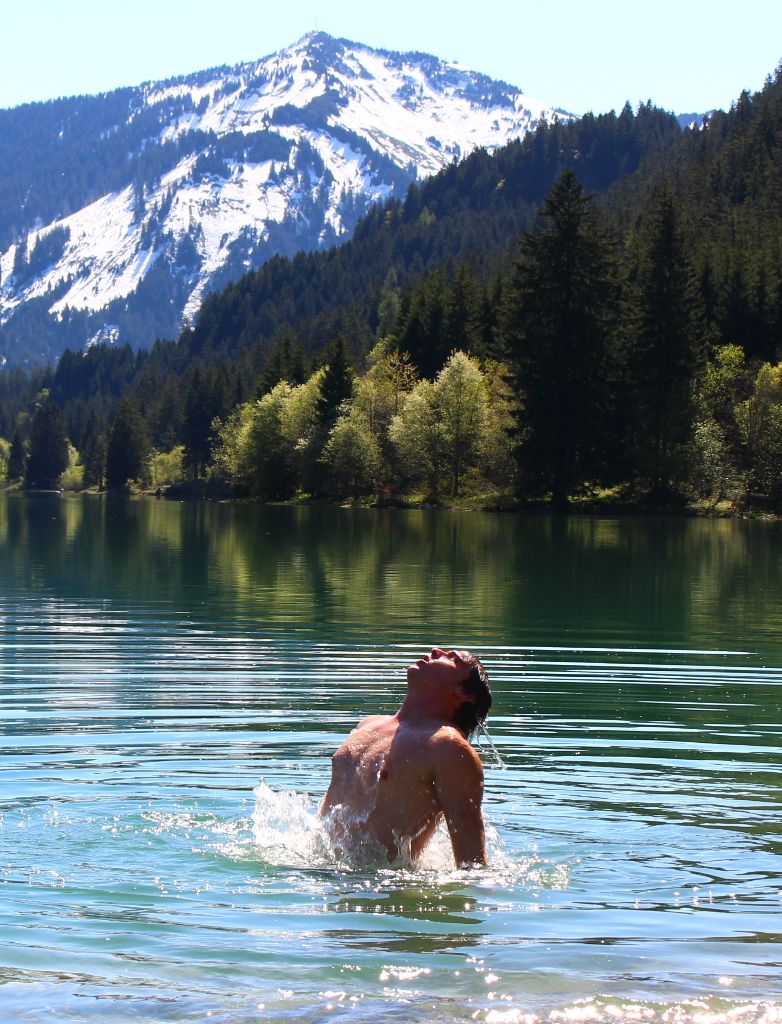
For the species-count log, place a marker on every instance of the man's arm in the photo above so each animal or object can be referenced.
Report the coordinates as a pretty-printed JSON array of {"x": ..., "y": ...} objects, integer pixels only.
[{"x": 458, "y": 784}]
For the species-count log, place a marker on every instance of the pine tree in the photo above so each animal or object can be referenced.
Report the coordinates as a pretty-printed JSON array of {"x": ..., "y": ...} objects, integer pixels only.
[
  {"x": 126, "y": 457},
  {"x": 423, "y": 320},
  {"x": 284, "y": 362},
  {"x": 737, "y": 324},
  {"x": 336, "y": 386},
  {"x": 17, "y": 459},
  {"x": 667, "y": 352},
  {"x": 48, "y": 457},
  {"x": 204, "y": 404},
  {"x": 461, "y": 320},
  {"x": 273, "y": 372},
  {"x": 93, "y": 453},
  {"x": 389, "y": 306},
  {"x": 561, "y": 315}
]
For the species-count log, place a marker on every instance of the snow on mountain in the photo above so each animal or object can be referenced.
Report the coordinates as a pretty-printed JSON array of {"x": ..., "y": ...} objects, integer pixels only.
[{"x": 223, "y": 169}]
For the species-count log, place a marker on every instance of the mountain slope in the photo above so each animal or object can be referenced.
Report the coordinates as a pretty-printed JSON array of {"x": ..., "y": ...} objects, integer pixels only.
[
  {"x": 128, "y": 208},
  {"x": 472, "y": 211}
]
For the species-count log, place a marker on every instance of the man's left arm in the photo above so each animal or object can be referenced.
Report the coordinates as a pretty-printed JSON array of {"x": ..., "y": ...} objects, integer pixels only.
[{"x": 459, "y": 787}]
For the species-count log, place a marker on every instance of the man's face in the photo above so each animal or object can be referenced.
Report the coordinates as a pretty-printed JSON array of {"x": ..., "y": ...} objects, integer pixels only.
[{"x": 440, "y": 668}]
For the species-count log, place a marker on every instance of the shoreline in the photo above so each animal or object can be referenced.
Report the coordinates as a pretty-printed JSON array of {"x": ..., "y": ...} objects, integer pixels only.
[{"x": 496, "y": 503}]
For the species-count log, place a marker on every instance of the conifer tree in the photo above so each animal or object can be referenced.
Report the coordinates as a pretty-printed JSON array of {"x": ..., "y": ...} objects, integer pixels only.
[
  {"x": 195, "y": 424},
  {"x": 274, "y": 369},
  {"x": 17, "y": 459},
  {"x": 48, "y": 457},
  {"x": 422, "y": 331},
  {"x": 285, "y": 362},
  {"x": 561, "y": 314},
  {"x": 389, "y": 306},
  {"x": 461, "y": 319},
  {"x": 93, "y": 453},
  {"x": 736, "y": 314},
  {"x": 667, "y": 352},
  {"x": 336, "y": 385},
  {"x": 204, "y": 404},
  {"x": 128, "y": 449}
]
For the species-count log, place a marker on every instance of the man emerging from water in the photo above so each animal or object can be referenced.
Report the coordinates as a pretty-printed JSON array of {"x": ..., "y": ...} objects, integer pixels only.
[{"x": 395, "y": 776}]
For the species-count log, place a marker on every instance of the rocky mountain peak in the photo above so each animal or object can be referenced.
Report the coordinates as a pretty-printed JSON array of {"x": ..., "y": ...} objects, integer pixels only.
[{"x": 131, "y": 206}]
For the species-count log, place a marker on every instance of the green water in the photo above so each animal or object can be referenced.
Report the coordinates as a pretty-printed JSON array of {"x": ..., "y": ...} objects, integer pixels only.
[{"x": 159, "y": 659}]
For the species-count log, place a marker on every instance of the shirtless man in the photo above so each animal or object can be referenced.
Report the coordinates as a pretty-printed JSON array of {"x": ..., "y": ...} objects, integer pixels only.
[{"x": 396, "y": 775}]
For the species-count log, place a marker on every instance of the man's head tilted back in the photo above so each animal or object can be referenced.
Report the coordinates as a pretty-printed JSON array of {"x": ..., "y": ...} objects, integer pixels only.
[
  {"x": 450, "y": 685},
  {"x": 476, "y": 686}
]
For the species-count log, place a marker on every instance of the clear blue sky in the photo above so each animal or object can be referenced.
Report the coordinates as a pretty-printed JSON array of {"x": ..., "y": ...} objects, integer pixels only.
[{"x": 684, "y": 55}]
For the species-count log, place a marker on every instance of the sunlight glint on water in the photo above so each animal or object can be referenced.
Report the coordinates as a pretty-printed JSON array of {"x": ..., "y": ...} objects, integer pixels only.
[{"x": 176, "y": 677}]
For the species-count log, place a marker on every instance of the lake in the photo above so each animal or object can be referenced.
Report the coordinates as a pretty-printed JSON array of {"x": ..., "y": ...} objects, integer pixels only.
[{"x": 177, "y": 675}]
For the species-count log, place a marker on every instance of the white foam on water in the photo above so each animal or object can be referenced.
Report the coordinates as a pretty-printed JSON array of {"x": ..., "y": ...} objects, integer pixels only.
[
  {"x": 288, "y": 832},
  {"x": 605, "y": 1010}
]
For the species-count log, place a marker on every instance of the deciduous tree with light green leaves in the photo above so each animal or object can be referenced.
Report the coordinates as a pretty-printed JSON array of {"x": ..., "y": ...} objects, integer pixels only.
[
  {"x": 300, "y": 423},
  {"x": 718, "y": 458},
  {"x": 5, "y": 451},
  {"x": 379, "y": 394},
  {"x": 462, "y": 399},
  {"x": 251, "y": 450},
  {"x": 166, "y": 468},
  {"x": 441, "y": 427},
  {"x": 267, "y": 446},
  {"x": 417, "y": 434},
  {"x": 759, "y": 420},
  {"x": 353, "y": 455}
]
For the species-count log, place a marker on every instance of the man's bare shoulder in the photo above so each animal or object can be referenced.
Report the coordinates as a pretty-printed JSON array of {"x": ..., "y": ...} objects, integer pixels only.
[
  {"x": 452, "y": 748},
  {"x": 372, "y": 720}
]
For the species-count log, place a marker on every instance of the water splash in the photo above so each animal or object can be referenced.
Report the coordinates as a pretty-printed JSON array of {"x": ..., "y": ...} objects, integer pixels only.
[
  {"x": 485, "y": 733},
  {"x": 288, "y": 833}
]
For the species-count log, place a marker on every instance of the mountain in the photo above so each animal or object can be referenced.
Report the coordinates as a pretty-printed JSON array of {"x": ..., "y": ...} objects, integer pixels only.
[
  {"x": 693, "y": 120},
  {"x": 471, "y": 212},
  {"x": 414, "y": 269},
  {"x": 120, "y": 212}
]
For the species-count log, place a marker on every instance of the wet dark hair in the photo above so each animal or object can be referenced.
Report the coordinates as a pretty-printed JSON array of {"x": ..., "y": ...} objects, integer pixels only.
[{"x": 476, "y": 686}]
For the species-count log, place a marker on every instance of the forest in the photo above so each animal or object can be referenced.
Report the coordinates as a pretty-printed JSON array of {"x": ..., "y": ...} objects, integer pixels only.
[{"x": 592, "y": 314}]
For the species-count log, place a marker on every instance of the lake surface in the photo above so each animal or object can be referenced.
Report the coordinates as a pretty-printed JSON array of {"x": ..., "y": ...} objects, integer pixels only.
[{"x": 176, "y": 676}]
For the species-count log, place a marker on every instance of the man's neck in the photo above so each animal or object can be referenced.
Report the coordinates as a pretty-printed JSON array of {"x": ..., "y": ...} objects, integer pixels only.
[{"x": 420, "y": 708}]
